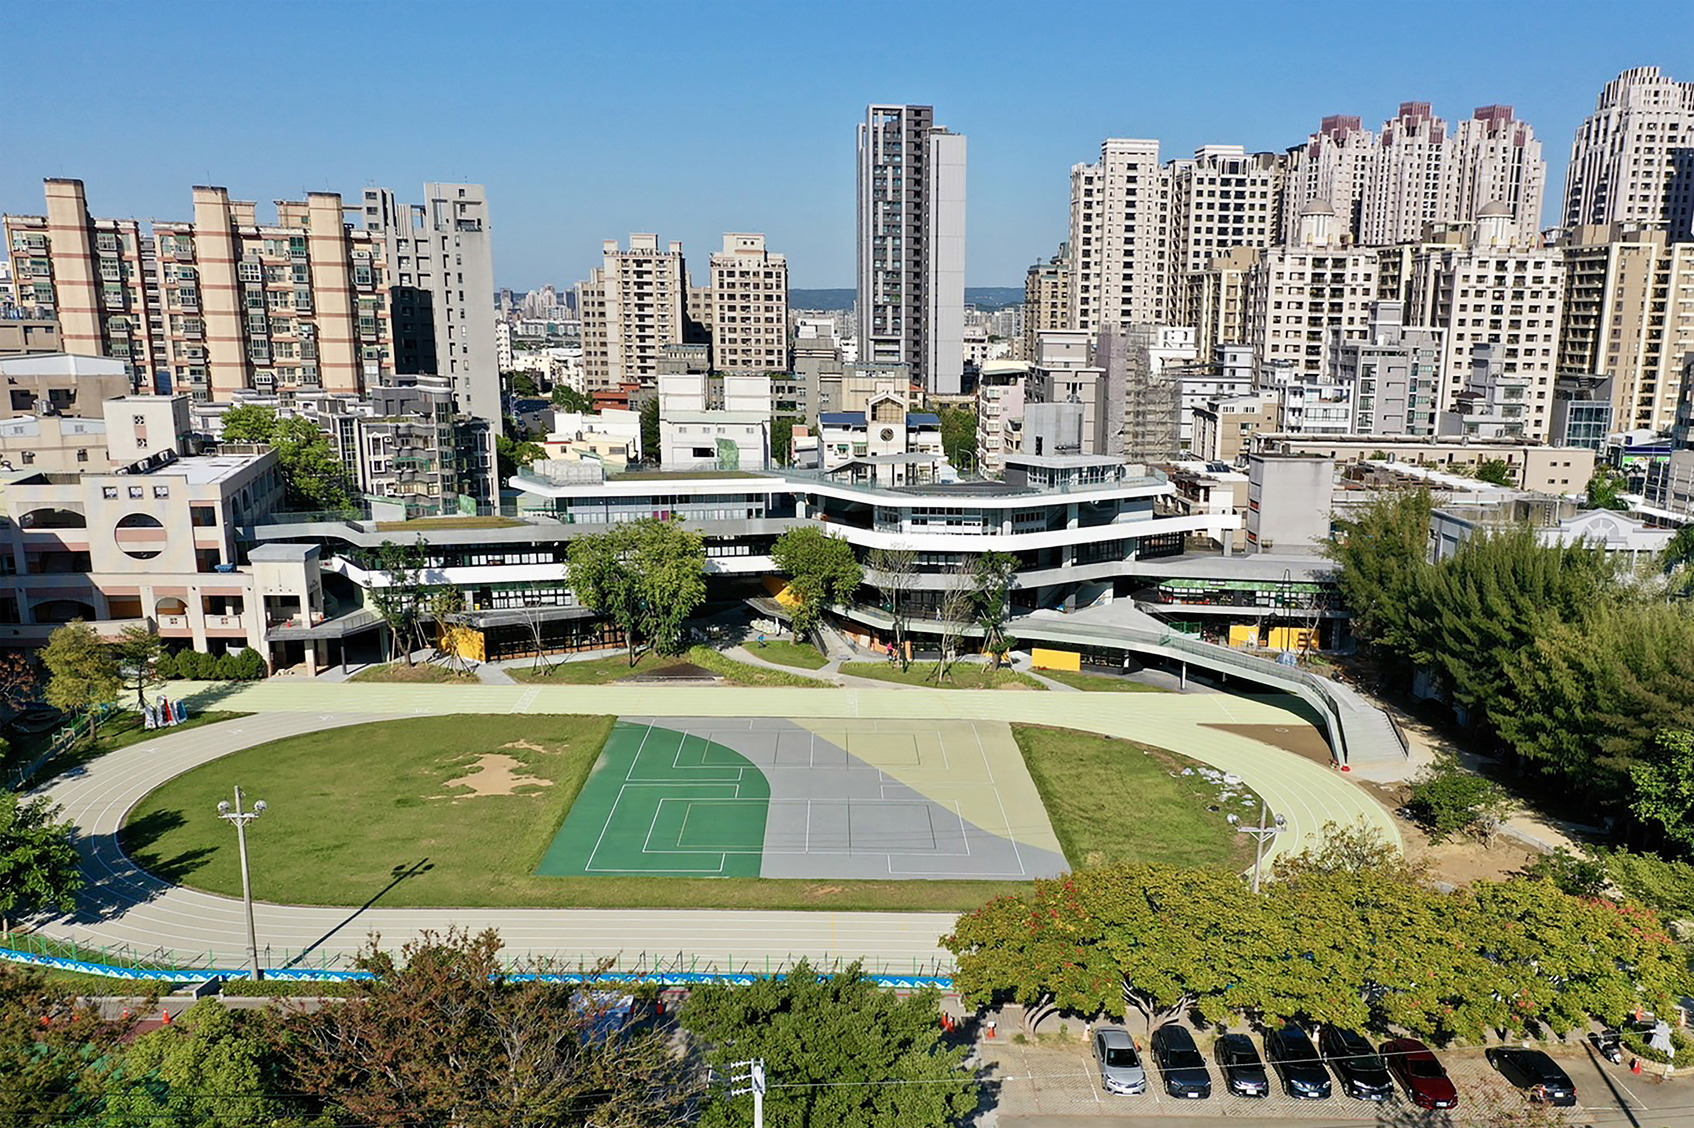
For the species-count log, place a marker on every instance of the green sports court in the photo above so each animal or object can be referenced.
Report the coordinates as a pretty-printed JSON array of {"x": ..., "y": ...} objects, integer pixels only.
[{"x": 786, "y": 798}]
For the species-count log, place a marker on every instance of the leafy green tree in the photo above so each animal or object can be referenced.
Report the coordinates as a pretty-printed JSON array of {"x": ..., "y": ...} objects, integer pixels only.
[
  {"x": 1606, "y": 488},
  {"x": 650, "y": 445},
  {"x": 646, "y": 576},
  {"x": 522, "y": 384},
  {"x": 837, "y": 1050},
  {"x": 1448, "y": 799},
  {"x": 54, "y": 1051},
  {"x": 1664, "y": 788},
  {"x": 566, "y": 398},
  {"x": 513, "y": 454},
  {"x": 1381, "y": 552},
  {"x": 38, "y": 860},
  {"x": 958, "y": 437},
  {"x": 1677, "y": 560},
  {"x": 994, "y": 573},
  {"x": 782, "y": 440},
  {"x": 208, "y": 1069},
  {"x": 400, "y": 598},
  {"x": 1360, "y": 847},
  {"x": 138, "y": 650},
  {"x": 1664, "y": 884},
  {"x": 313, "y": 477},
  {"x": 82, "y": 675},
  {"x": 822, "y": 570},
  {"x": 1580, "y": 875},
  {"x": 1495, "y": 471},
  {"x": 441, "y": 1035}
]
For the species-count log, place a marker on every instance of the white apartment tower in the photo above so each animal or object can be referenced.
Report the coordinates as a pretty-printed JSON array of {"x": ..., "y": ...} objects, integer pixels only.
[
  {"x": 1222, "y": 198},
  {"x": 441, "y": 257},
  {"x": 1416, "y": 171},
  {"x": 1306, "y": 296},
  {"x": 1633, "y": 157},
  {"x": 1120, "y": 237},
  {"x": 632, "y": 305},
  {"x": 749, "y": 298},
  {"x": 911, "y": 253}
]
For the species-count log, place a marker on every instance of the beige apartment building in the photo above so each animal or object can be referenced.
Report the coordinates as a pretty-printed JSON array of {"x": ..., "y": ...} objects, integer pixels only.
[
  {"x": 1223, "y": 198},
  {"x": 749, "y": 307},
  {"x": 1534, "y": 466},
  {"x": 29, "y": 332},
  {"x": 1309, "y": 294},
  {"x": 1217, "y": 300},
  {"x": 1046, "y": 300},
  {"x": 632, "y": 305},
  {"x": 1629, "y": 315},
  {"x": 1629, "y": 160},
  {"x": 1482, "y": 285},
  {"x": 1224, "y": 428},
  {"x": 98, "y": 277},
  {"x": 1120, "y": 237}
]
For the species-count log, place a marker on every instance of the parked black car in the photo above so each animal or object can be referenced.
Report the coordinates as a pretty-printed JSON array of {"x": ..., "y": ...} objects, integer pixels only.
[
  {"x": 1363, "y": 1074},
  {"x": 1180, "y": 1063},
  {"x": 1536, "y": 1072},
  {"x": 1291, "y": 1053},
  {"x": 1243, "y": 1072}
]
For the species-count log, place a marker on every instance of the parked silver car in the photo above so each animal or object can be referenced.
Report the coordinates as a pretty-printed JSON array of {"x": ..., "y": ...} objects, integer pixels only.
[{"x": 1121, "y": 1070}]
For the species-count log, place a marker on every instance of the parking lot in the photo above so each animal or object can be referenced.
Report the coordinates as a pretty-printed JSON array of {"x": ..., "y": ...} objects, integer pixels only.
[{"x": 1054, "y": 1082}]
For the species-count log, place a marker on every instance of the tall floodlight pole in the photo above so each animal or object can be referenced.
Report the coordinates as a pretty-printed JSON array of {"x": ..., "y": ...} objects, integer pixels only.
[
  {"x": 241, "y": 818},
  {"x": 749, "y": 1077},
  {"x": 1262, "y": 833}
]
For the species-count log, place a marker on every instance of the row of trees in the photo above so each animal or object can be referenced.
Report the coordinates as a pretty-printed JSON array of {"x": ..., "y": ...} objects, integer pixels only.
[
  {"x": 1583, "y": 671},
  {"x": 1331, "y": 941},
  {"x": 442, "y": 1035}
]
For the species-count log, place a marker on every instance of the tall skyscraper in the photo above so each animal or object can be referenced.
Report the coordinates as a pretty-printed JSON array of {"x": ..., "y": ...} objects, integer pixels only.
[
  {"x": 911, "y": 225},
  {"x": 1633, "y": 157},
  {"x": 1120, "y": 236},
  {"x": 632, "y": 305},
  {"x": 1386, "y": 186}
]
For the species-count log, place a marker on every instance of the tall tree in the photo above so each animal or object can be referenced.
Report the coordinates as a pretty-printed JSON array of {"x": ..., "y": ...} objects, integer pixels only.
[
  {"x": 567, "y": 398},
  {"x": 313, "y": 477},
  {"x": 782, "y": 440},
  {"x": 894, "y": 573},
  {"x": 821, "y": 569},
  {"x": 1381, "y": 550},
  {"x": 212, "y": 1068},
  {"x": 958, "y": 437},
  {"x": 837, "y": 1049},
  {"x": 994, "y": 573},
  {"x": 647, "y": 576},
  {"x": 603, "y": 577},
  {"x": 402, "y": 595},
  {"x": 1606, "y": 488},
  {"x": 1664, "y": 788},
  {"x": 1495, "y": 471},
  {"x": 38, "y": 860},
  {"x": 138, "y": 650},
  {"x": 441, "y": 1035},
  {"x": 82, "y": 675},
  {"x": 650, "y": 431},
  {"x": 20, "y": 681},
  {"x": 955, "y": 614}
]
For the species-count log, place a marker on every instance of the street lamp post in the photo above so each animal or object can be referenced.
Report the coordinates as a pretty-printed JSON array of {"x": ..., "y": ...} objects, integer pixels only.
[
  {"x": 1262, "y": 833},
  {"x": 241, "y": 818}
]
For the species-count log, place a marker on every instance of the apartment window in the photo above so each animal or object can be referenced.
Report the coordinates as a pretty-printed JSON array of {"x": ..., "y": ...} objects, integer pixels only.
[
  {"x": 82, "y": 456},
  {"x": 136, "y": 492},
  {"x": 161, "y": 491}
]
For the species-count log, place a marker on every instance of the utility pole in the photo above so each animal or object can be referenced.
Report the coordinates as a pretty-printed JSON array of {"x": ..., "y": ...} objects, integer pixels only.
[
  {"x": 750, "y": 1081},
  {"x": 1261, "y": 834},
  {"x": 241, "y": 818}
]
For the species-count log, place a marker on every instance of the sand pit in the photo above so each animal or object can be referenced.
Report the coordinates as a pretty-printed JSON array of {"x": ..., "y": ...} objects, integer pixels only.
[{"x": 494, "y": 774}]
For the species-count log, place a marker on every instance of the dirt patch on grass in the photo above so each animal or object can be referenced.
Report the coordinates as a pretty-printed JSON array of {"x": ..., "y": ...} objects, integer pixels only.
[
  {"x": 1459, "y": 860},
  {"x": 527, "y": 745},
  {"x": 494, "y": 774},
  {"x": 1302, "y": 740}
]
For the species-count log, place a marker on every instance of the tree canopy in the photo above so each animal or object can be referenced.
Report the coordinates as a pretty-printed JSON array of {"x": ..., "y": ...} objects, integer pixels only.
[
  {"x": 647, "y": 576},
  {"x": 82, "y": 671},
  {"x": 402, "y": 598},
  {"x": 837, "y": 1050},
  {"x": 313, "y": 477},
  {"x": 39, "y": 869},
  {"x": 821, "y": 569}
]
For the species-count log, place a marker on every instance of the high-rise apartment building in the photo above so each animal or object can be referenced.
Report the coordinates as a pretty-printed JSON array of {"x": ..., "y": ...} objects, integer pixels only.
[
  {"x": 441, "y": 276},
  {"x": 1481, "y": 285},
  {"x": 1629, "y": 316},
  {"x": 1633, "y": 157},
  {"x": 1386, "y": 186},
  {"x": 632, "y": 306},
  {"x": 1309, "y": 294},
  {"x": 749, "y": 298},
  {"x": 99, "y": 277},
  {"x": 1223, "y": 197},
  {"x": 1215, "y": 299},
  {"x": 911, "y": 252},
  {"x": 1046, "y": 299},
  {"x": 1120, "y": 237}
]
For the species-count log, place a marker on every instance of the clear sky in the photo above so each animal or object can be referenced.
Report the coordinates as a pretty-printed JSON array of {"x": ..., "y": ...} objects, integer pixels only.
[{"x": 590, "y": 120}]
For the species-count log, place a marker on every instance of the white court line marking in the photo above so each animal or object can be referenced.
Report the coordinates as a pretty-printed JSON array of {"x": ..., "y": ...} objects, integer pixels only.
[
  {"x": 634, "y": 760},
  {"x": 986, "y": 766},
  {"x": 808, "y": 847},
  {"x": 588, "y": 865}
]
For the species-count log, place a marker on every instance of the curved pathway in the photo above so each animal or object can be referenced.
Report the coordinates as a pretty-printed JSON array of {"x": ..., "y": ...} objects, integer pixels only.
[{"x": 127, "y": 906}]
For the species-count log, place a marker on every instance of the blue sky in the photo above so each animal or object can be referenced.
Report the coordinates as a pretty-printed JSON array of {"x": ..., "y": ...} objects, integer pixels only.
[{"x": 590, "y": 120}]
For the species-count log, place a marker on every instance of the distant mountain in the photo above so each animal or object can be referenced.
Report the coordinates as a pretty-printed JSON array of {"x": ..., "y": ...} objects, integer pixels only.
[{"x": 982, "y": 297}]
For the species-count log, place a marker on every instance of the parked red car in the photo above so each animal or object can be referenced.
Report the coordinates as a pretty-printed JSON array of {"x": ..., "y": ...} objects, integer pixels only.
[{"x": 1420, "y": 1073}]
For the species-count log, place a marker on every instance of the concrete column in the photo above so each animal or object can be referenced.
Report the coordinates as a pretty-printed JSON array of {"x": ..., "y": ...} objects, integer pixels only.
[
  {"x": 312, "y": 659},
  {"x": 1182, "y": 678}
]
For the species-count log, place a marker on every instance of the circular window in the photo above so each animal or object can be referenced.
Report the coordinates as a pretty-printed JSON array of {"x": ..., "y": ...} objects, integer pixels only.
[
  {"x": 888, "y": 434},
  {"x": 140, "y": 535}
]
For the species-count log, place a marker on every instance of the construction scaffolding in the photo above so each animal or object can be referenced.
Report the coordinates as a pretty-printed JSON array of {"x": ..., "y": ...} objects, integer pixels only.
[{"x": 1141, "y": 405}]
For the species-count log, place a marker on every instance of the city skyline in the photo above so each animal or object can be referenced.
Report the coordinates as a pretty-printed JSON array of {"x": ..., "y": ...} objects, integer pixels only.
[{"x": 769, "y": 149}]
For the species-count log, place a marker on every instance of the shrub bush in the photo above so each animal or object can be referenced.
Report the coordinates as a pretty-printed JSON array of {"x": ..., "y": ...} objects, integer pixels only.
[
  {"x": 226, "y": 668},
  {"x": 246, "y": 664},
  {"x": 165, "y": 667}
]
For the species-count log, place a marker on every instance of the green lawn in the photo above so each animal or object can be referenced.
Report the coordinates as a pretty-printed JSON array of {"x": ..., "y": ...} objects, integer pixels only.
[
  {"x": 600, "y": 671},
  {"x": 421, "y": 673},
  {"x": 1113, "y": 800},
  {"x": 1096, "y": 683},
  {"x": 801, "y": 654},
  {"x": 963, "y": 675}
]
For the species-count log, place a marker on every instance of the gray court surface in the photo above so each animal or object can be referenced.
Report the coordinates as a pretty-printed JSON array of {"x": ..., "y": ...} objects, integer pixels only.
[{"x": 880, "y": 799}]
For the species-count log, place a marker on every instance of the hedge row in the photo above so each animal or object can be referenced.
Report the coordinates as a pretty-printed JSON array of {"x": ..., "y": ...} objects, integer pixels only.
[{"x": 191, "y": 665}]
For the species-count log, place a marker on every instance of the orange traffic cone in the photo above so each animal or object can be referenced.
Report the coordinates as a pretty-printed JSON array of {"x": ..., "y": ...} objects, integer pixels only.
[{"x": 167, "y": 1018}]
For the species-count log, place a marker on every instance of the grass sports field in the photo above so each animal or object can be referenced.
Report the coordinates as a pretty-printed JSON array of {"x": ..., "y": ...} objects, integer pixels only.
[{"x": 552, "y": 810}]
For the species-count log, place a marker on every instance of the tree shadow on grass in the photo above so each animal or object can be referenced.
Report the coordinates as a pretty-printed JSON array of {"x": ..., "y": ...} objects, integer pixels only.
[{"x": 140, "y": 838}]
